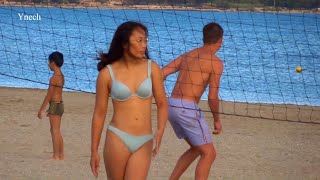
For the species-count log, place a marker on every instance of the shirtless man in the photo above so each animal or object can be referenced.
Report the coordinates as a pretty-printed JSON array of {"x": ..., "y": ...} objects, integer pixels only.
[
  {"x": 197, "y": 69},
  {"x": 54, "y": 99}
]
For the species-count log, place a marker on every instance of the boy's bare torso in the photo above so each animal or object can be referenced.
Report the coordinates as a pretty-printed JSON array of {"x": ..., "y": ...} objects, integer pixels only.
[{"x": 57, "y": 82}]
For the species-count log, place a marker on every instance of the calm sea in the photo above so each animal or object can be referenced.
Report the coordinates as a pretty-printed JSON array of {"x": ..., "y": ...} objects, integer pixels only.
[{"x": 260, "y": 52}]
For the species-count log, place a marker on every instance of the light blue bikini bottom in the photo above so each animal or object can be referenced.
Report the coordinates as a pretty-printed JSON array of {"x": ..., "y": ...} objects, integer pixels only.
[{"x": 132, "y": 142}]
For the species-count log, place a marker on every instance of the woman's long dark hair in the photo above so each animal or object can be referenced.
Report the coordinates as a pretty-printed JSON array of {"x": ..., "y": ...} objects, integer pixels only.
[{"x": 121, "y": 37}]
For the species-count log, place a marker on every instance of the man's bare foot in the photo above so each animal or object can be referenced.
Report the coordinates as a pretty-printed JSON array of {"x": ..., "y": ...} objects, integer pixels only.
[{"x": 61, "y": 157}]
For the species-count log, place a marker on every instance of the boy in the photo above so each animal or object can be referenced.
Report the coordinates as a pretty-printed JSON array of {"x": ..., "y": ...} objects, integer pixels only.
[{"x": 54, "y": 99}]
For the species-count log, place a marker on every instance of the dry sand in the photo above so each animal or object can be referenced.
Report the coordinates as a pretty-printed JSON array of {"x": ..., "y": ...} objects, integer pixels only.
[{"x": 248, "y": 148}]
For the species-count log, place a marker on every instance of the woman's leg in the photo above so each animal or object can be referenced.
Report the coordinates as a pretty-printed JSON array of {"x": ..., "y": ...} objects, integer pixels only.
[
  {"x": 139, "y": 163},
  {"x": 57, "y": 140},
  {"x": 116, "y": 155}
]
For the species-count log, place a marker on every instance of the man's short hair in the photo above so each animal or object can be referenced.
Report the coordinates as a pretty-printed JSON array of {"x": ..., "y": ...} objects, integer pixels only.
[
  {"x": 212, "y": 32},
  {"x": 57, "y": 58}
]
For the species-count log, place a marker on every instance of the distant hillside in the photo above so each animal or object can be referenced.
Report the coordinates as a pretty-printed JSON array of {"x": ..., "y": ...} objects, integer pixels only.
[{"x": 240, "y": 4}]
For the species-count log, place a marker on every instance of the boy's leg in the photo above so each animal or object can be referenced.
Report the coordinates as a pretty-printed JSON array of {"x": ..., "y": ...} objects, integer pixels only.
[
  {"x": 207, "y": 156},
  {"x": 61, "y": 144},
  {"x": 57, "y": 141},
  {"x": 184, "y": 161}
]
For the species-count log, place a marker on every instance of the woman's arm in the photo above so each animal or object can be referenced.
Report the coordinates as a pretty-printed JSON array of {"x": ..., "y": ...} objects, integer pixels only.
[
  {"x": 99, "y": 115},
  {"x": 100, "y": 109},
  {"x": 161, "y": 102}
]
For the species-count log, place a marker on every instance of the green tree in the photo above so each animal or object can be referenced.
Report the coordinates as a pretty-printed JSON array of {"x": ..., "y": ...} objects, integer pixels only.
[
  {"x": 74, "y": 1},
  {"x": 221, "y": 3},
  {"x": 21, "y": 1},
  {"x": 57, "y": 1},
  {"x": 37, "y": 1}
]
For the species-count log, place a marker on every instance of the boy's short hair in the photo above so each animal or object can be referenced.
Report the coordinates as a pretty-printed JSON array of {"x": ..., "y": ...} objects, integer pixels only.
[
  {"x": 212, "y": 32},
  {"x": 57, "y": 58}
]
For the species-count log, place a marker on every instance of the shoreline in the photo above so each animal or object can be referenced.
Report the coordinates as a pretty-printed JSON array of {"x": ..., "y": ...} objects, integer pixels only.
[
  {"x": 265, "y": 111},
  {"x": 97, "y": 5}
]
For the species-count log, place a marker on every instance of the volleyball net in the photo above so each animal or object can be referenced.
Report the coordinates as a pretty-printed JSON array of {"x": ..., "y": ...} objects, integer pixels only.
[{"x": 265, "y": 43}]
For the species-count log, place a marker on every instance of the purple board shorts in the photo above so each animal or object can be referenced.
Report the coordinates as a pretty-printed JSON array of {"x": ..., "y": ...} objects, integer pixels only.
[{"x": 188, "y": 122}]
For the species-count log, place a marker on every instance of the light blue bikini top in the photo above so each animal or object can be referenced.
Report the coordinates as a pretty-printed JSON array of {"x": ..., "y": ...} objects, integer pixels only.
[{"x": 121, "y": 92}]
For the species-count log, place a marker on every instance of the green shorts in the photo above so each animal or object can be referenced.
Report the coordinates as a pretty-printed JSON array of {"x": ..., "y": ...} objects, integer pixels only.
[{"x": 55, "y": 108}]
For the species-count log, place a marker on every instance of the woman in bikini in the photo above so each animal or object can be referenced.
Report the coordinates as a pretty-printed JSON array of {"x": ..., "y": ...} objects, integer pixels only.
[{"x": 131, "y": 79}]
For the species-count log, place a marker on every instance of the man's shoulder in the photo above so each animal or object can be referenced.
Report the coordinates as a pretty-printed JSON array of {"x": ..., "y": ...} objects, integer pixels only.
[
  {"x": 217, "y": 65},
  {"x": 192, "y": 52},
  {"x": 216, "y": 58}
]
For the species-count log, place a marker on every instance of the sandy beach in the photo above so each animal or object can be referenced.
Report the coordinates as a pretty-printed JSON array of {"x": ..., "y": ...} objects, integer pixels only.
[{"x": 248, "y": 148}]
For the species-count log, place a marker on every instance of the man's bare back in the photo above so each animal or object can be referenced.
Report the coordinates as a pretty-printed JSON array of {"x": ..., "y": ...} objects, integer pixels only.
[{"x": 197, "y": 69}]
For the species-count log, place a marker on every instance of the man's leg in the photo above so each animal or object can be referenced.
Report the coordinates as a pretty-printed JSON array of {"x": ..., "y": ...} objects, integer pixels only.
[
  {"x": 184, "y": 161},
  {"x": 207, "y": 156}
]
